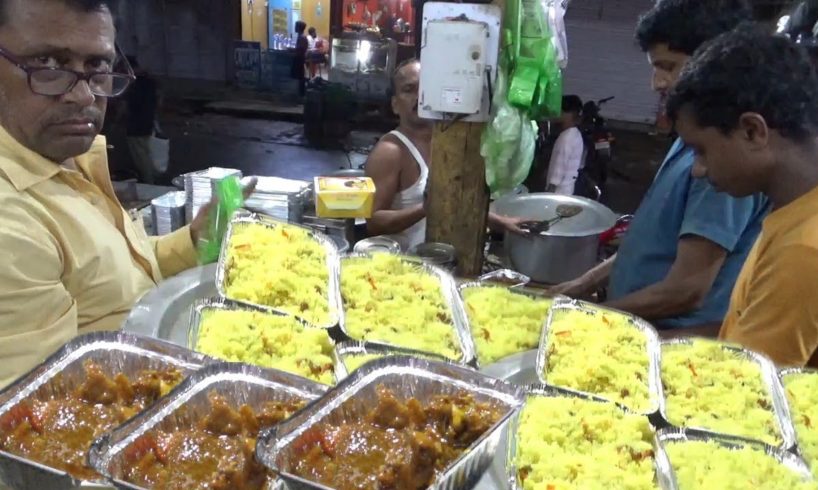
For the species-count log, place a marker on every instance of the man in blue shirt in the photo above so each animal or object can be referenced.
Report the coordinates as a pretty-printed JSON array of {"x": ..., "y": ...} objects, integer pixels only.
[{"x": 687, "y": 243}]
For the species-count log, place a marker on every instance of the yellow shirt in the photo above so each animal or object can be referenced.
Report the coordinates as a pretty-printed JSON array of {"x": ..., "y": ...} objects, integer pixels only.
[
  {"x": 774, "y": 308},
  {"x": 73, "y": 261}
]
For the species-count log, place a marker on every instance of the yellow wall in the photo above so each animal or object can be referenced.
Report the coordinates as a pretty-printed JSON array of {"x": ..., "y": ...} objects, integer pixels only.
[
  {"x": 309, "y": 15},
  {"x": 254, "y": 21}
]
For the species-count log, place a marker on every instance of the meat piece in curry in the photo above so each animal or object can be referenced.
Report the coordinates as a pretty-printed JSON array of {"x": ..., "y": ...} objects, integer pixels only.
[
  {"x": 398, "y": 446},
  {"x": 58, "y": 431},
  {"x": 217, "y": 453}
]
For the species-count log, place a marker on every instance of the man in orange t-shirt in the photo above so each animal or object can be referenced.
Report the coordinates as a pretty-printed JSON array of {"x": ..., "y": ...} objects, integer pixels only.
[{"x": 748, "y": 105}]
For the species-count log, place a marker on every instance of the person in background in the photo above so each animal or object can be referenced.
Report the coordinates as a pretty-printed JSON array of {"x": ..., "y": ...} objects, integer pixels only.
[
  {"x": 311, "y": 37},
  {"x": 142, "y": 101},
  {"x": 316, "y": 55},
  {"x": 300, "y": 58},
  {"x": 748, "y": 106},
  {"x": 74, "y": 261},
  {"x": 569, "y": 150},
  {"x": 399, "y": 166},
  {"x": 679, "y": 261}
]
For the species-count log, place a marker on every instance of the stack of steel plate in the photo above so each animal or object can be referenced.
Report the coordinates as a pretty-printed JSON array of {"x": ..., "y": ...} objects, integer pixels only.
[
  {"x": 168, "y": 212},
  {"x": 199, "y": 188},
  {"x": 282, "y": 199}
]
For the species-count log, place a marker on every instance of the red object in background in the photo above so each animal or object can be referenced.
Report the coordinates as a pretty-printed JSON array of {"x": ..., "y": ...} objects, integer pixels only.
[
  {"x": 396, "y": 8},
  {"x": 617, "y": 232}
]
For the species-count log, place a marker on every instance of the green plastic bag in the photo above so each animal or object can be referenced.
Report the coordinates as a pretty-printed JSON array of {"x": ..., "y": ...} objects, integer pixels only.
[
  {"x": 529, "y": 88},
  {"x": 508, "y": 142},
  {"x": 230, "y": 198}
]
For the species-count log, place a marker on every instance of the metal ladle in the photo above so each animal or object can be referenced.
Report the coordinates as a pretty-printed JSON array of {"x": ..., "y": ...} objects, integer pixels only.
[{"x": 564, "y": 211}]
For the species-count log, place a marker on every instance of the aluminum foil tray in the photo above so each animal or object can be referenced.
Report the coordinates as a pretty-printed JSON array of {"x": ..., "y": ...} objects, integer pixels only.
[
  {"x": 115, "y": 352},
  {"x": 448, "y": 287},
  {"x": 357, "y": 348},
  {"x": 515, "y": 289},
  {"x": 770, "y": 378},
  {"x": 406, "y": 377},
  {"x": 782, "y": 375},
  {"x": 654, "y": 350},
  {"x": 333, "y": 288},
  {"x": 542, "y": 390},
  {"x": 239, "y": 383},
  {"x": 200, "y": 306},
  {"x": 664, "y": 469}
]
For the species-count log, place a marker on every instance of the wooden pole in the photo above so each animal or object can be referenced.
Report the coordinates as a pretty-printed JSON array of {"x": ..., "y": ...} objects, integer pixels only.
[{"x": 458, "y": 197}]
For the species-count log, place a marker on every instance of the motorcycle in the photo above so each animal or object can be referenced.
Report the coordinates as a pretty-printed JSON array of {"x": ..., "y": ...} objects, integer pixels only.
[{"x": 598, "y": 139}]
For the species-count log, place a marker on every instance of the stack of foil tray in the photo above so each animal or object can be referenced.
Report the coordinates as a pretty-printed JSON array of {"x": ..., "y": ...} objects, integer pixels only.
[
  {"x": 168, "y": 213},
  {"x": 282, "y": 199},
  {"x": 199, "y": 188}
]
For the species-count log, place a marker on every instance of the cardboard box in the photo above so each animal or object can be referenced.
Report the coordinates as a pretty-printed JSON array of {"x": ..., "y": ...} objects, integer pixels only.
[{"x": 344, "y": 197}]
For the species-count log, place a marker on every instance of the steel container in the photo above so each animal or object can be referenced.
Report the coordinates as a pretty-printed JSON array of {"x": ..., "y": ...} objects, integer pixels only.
[{"x": 564, "y": 252}]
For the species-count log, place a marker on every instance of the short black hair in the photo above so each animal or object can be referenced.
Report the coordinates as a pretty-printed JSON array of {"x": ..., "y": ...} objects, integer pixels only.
[
  {"x": 312, "y": 31},
  {"x": 684, "y": 25},
  {"x": 82, "y": 5},
  {"x": 750, "y": 70},
  {"x": 300, "y": 26},
  {"x": 572, "y": 103}
]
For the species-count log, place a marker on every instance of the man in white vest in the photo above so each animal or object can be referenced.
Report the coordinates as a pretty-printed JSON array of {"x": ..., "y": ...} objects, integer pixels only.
[{"x": 399, "y": 166}]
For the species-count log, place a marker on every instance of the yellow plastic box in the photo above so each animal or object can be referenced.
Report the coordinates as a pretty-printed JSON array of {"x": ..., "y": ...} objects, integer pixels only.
[{"x": 344, "y": 197}]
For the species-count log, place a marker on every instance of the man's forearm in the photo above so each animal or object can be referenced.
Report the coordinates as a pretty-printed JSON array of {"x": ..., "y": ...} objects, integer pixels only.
[
  {"x": 660, "y": 300},
  {"x": 390, "y": 222},
  {"x": 495, "y": 222},
  {"x": 599, "y": 275}
]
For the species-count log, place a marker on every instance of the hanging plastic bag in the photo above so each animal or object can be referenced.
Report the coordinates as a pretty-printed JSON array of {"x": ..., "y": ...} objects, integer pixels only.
[
  {"x": 529, "y": 87},
  {"x": 229, "y": 199},
  {"x": 556, "y": 23},
  {"x": 506, "y": 141}
]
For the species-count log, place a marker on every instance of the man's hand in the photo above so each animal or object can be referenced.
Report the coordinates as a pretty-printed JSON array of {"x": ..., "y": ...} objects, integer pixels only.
[
  {"x": 199, "y": 224},
  {"x": 588, "y": 283},
  {"x": 580, "y": 288},
  {"x": 510, "y": 224}
]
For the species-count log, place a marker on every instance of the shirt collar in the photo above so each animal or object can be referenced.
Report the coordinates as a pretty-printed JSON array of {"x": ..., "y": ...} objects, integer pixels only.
[{"x": 25, "y": 168}]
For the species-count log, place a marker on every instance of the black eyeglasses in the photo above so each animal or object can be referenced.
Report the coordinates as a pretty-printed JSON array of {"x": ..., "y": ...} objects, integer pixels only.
[{"x": 54, "y": 82}]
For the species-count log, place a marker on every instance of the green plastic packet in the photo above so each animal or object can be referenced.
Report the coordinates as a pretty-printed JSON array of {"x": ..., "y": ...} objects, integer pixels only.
[
  {"x": 229, "y": 199},
  {"x": 524, "y": 83}
]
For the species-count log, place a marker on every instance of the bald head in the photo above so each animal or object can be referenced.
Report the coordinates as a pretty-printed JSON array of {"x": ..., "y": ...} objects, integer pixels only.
[{"x": 401, "y": 72}]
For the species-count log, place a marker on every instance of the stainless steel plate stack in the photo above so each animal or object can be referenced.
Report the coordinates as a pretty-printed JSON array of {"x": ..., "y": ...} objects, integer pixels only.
[
  {"x": 168, "y": 212},
  {"x": 199, "y": 188},
  {"x": 282, "y": 199}
]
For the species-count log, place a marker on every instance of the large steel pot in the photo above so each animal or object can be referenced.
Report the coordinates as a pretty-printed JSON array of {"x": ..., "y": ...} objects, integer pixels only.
[{"x": 564, "y": 252}]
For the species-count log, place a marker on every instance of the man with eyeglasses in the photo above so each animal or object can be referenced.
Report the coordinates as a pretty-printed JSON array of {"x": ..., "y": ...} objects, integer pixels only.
[{"x": 73, "y": 261}]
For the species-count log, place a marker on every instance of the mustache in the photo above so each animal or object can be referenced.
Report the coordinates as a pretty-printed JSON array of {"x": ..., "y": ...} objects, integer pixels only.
[{"x": 90, "y": 113}]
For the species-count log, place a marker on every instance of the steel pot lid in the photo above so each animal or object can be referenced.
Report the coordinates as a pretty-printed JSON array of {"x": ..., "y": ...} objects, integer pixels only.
[
  {"x": 593, "y": 220},
  {"x": 435, "y": 253},
  {"x": 377, "y": 244}
]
